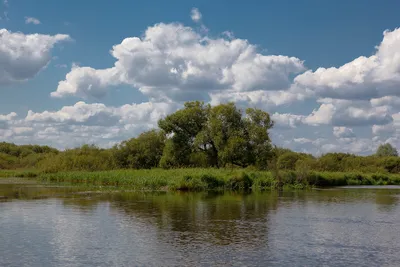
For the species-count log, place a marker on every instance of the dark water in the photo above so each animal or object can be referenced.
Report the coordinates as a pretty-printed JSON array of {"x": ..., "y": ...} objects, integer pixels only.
[{"x": 41, "y": 226}]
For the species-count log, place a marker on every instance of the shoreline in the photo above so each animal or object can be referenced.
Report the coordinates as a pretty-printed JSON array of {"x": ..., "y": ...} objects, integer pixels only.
[{"x": 208, "y": 179}]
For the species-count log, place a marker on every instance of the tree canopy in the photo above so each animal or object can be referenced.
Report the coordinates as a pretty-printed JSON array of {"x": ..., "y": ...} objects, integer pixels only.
[
  {"x": 386, "y": 150},
  {"x": 217, "y": 135}
]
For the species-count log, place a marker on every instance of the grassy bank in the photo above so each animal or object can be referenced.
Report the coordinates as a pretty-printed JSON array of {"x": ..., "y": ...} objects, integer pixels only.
[
  {"x": 216, "y": 179},
  {"x": 19, "y": 173}
]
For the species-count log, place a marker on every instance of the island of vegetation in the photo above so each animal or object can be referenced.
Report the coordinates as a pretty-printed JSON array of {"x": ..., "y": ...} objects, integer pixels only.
[{"x": 200, "y": 147}]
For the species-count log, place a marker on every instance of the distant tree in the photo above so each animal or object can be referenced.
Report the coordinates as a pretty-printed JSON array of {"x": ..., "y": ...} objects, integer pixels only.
[
  {"x": 386, "y": 150},
  {"x": 287, "y": 161},
  {"x": 142, "y": 152}
]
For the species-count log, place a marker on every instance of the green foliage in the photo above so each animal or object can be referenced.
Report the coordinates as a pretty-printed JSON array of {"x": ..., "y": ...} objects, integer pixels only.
[
  {"x": 391, "y": 164},
  {"x": 7, "y": 161},
  {"x": 13, "y": 156},
  {"x": 303, "y": 169},
  {"x": 196, "y": 179},
  {"x": 87, "y": 157},
  {"x": 217, "y": 136},
  {"x": 18, "y": 173},
  {"x": 288, "y": 160},
  {"x": 184, "y": 125},
  {"x": 386, "y": 150},
  {"x": 143, "y": 152}
]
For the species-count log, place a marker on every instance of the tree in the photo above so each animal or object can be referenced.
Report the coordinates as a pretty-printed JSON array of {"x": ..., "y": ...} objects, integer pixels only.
[
  {"x": 183, "y": 126},
  {"x": 142, "y": 152},
  {"x": 216, "y": 136},
  {"x": 287, "y": 161},
  {"x": 224, "y": 130},
  {"x": 258, "y": 123},
  {"x": 386, "y": 150}
]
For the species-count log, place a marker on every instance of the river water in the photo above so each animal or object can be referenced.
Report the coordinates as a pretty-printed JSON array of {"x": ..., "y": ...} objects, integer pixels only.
[{"x": 58, "y": 226}]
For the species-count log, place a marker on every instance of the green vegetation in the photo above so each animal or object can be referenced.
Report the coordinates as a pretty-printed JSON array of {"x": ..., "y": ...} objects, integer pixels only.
[
  {"x": 196, "y": 179},
  {"x": 386, "y": 150},
  {"x": 200, "y": 147},
  {"x": 18, "y": 173}
]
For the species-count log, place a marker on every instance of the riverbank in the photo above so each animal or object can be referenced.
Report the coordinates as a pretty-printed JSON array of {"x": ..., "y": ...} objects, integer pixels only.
[
  {"x": 197, "y": 179},
  {"x": 19, "y": 173}
]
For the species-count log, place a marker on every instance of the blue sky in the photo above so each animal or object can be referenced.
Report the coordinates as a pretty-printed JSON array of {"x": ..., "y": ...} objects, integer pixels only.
[{"x": 353, "y": 107}]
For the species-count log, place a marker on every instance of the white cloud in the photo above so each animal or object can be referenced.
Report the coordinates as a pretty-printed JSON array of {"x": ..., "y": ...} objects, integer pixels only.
[
  {"x": 23, "y": 56},
  {"x": 88, "y": 123},
  {"x": 302, "y": 140},
  {"x": 86, "y": 81},
  {"x": 348, "y": 113},
  {"x": 390, "y": 102},
  {"x": 32, "y": 20},
  {"x": 195, "y": 15},
  {"x": 8, "y": 117},
  {"x": 80, "y": 113},
  {"x": 267, "y": 100},
  {"x": 287, "y": 120},
  {"x": 322, "y": 115},
  {"x": 343, "y": 132},
  {"x": 174, "y": 62},
  {"x": 362, "y": 78}
]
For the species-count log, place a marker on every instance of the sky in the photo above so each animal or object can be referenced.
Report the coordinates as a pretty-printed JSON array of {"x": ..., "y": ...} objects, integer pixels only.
[{"x": 75, "y": 72}]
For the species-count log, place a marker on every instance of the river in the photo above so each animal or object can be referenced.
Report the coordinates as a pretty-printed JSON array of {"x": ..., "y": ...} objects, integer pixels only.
[{"x": 60, "y": 226}]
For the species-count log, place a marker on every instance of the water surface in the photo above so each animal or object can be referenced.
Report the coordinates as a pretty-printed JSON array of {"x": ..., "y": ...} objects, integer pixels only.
[{"x": 59, "y": 226}]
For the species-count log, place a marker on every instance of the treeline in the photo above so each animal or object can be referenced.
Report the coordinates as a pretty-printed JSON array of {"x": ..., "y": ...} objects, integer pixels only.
[
  {"x": 198, "y": 135},
  {"x": 23, "y": 156},
  {"x": 338, "y": 162}
]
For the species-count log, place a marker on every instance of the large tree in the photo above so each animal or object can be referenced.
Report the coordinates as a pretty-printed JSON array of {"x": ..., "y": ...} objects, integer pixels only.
[
  {"x": 182, "y": 126},
  {"x": 216, "y": 136}
]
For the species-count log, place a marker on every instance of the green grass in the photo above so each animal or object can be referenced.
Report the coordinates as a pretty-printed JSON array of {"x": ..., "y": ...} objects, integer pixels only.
[
  {"x": 18, "y": 173},
  {"x": 197, "y": 179}
]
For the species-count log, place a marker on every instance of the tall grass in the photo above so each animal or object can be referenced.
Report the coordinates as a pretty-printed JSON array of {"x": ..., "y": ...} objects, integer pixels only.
[
  {"x": 197, "y": 179},
  {"x": 18, "y": 173}
]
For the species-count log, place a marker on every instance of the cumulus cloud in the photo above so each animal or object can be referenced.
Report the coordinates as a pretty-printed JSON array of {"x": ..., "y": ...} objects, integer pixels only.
[
  {"x": 87, "y": 123},
  {"x": 174, "y": 62},
  {"x": 195, "y": 15},
  {"x": 268, "y": 100},
  {"x": 348, "y": 113},
  {"x": 8, "y": 117},
  {"x": 22, "y": 56},
  {"x": 32, "y": 20},
  {"x": 391, "y": 103},
  {"x": 287, "y": 120},
  {"x": 99, "y": 114},
  {"x": 343, "y": 132},
  {"x": 362, "y": 78}
]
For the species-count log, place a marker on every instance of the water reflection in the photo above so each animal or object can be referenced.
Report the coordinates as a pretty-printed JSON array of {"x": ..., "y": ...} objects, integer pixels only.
[
  {"x": 56, "y": 226},
  {"x": 216, "y": 218}
]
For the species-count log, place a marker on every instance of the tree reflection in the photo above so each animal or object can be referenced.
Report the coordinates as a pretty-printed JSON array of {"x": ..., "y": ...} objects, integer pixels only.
[
  {"x": 219, "y": 218},
  {"x": 386, "y": 200}
]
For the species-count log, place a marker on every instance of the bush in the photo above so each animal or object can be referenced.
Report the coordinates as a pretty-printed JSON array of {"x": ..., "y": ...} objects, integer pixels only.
[
  {"x": 242, "y": 182},
  {"x": 287, "y": 161}
]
